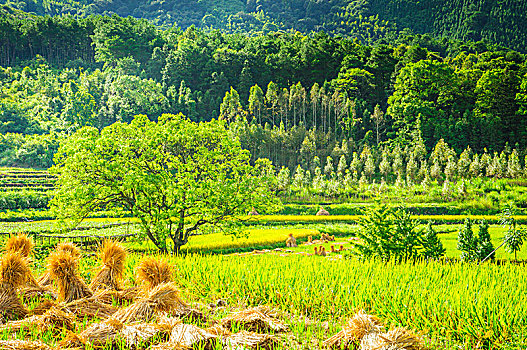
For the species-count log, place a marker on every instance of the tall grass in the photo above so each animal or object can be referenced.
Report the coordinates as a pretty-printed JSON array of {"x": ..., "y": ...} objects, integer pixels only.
[{"x": 452, "y": 303}]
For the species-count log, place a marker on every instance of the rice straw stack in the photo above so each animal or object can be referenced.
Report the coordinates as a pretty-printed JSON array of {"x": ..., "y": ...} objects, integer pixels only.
[
  {"x": 110, "y": 275},
  {"x": 21, "y": 244},
  {"x": 152, "y": 272},
  {"x": 13, "y": 271},
  {"x": 13, "y": 274},
  {"x": 68, "y": 247},
  {"x": 63, "y": 269},
  {"x": 361, "y": 325},
  {"x": 162, "y": 299}
]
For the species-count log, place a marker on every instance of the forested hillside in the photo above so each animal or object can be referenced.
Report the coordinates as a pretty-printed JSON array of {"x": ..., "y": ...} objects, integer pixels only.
[
  {"x": 289, "y": 96},
  {"x": 503, "y": 22}
]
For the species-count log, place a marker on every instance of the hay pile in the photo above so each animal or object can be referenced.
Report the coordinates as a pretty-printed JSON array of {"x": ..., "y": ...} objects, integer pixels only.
[
  {"x": 21, "y": 244},
  {"x": 257, "y": 319},
  {"x": 110, "y": 275},
  {"x": 163, "y": 299},
  {"x": 143, "y": 334},
  {"x": 62, "y": 267},
  {"x": 395, "y": 339},
  {"x": 152, "y": 272},
  {"x": 191, "y": 336},
  {"x": 322, "y": 212},
  {"x": 96, "y": 335},
  {"x": 367, "y": 332},
  {"x": 89, "y": 307},
  {"x": 13, "y": 274},
  {"x": 66, "y": 247},
  {"x": 121, "y": 297},
  {"x": 54, "y": 320},
  {"x": 23, "y": 345},
  {"x": 250, "y": 340},
  {"x": 291, "y": 241}
]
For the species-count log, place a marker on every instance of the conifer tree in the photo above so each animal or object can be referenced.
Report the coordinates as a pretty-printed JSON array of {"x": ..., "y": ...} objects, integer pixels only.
[
  {"x": 384, "y": 166},
  {"x": 475, "y": 166},
  {"x": 342, "y": 166},
  {"x": 514, "y": 169},
  {"x": 435, "y": 171},
  {"x": 450, "y": 169},
  {"x": 328, "y": 168},
  {"x": 298, "y": 178},
  {"x": 411, "y": 170},
  {"x": 463, "y": 164},
  {"x": 369, "y": 166},
  {"x": 484, "y": 245},
  {"x": 466, "y": 241},
  {"x": 284, "y": 178},
  {"x": 433, "y": 248}
]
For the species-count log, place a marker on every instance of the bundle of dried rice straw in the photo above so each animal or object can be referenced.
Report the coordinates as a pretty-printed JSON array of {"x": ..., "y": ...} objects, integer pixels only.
[
  {"x": 258, "y": 319},
  {"x": 120, "y": 297},
  {"x": 13, "y": 274},
  {"x": 54, "y": 320},
  {"x": 67, "y": 247},
  {"x": 11, "y": 308},
  {"x": 249, "y": 340},
  {"x": 110, "y": 275},
  {"x": 63, "y": 269},
  {"x": 162, "y": 299},
  {"x": 168, "y": 346},
  {"x": 141, "y": 335},
  {"x": 23, "y": 345},
  {"x": 89, "y": 307},
  {"x": 191, "y": 336},
  {"x": 96, "y": 335},
  {"x": 361, "y": 325},
  {"x": 13, "y": 271},
  {"x": 152, "y": 272},
  {"x": 395, "y": 339},
  {"x": 21, "y": 244}
]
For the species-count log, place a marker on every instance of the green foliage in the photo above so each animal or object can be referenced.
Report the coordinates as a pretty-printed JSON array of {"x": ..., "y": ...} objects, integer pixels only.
[
  {"x": 432, "y": 246},
  {"x": 388, "y": 234},
  {"x": 466, "y": 242},
  {"x": 515, "y": 235},
  {"x": 475, "y": 247},
  {"x": 178, "y": 177}
]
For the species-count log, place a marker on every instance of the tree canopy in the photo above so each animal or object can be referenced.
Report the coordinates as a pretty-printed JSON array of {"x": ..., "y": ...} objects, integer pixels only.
[{"x": 178, "y": 177}]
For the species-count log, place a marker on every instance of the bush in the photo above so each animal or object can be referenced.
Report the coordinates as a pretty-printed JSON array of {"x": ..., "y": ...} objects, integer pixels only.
[{"x": 15, "y": 200}]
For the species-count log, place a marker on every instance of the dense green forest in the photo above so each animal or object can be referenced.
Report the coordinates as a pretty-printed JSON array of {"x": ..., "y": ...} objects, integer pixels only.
[
  {"x": 290, "y": 96},
  {"x": 503, "y": 22}
]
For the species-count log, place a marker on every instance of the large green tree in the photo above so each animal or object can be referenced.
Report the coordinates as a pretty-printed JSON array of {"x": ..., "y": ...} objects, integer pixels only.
[{"x": 176, "y": 176}]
